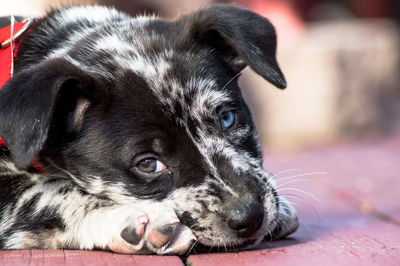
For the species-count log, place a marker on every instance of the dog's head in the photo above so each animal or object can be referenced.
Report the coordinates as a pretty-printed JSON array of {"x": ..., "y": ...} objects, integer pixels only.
[{"x": 148, "y": 110}]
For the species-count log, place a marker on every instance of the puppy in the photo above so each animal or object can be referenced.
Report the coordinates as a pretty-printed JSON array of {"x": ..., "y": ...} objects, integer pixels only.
[{"x": 146, "y": 142}]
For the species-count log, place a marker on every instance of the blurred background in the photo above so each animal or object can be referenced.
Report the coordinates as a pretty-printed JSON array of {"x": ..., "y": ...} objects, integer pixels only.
[{"x": 340, "y": 58}]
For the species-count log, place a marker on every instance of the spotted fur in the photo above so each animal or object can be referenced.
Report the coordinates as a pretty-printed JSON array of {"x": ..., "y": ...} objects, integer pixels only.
[{"x": 95, "y": 88}]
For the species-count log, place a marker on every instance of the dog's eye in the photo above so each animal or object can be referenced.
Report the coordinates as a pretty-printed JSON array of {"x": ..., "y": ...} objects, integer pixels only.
[
  {"x": 150, "y": 166},
  {"x": 227, "y": 119}
]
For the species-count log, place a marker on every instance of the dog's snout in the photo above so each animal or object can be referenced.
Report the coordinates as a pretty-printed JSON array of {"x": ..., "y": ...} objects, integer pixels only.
[{"x": 245, "y": 218}]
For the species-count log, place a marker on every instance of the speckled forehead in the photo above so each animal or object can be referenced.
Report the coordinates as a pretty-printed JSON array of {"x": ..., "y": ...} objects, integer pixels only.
[
  {"x": 136, "y": 52},
  {"x": 130, "y": 45},
  {"x": 178, "y": 79},
  {"x": 192, "y": 84},
  {"x": 118, "y": 40}
]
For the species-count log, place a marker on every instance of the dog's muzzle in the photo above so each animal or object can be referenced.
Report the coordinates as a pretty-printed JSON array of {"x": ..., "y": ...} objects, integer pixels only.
[{"x": 245, "y": 217}]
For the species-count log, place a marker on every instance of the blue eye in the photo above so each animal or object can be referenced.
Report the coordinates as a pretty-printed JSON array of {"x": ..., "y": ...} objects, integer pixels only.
[{"x": 227, "y": 120}]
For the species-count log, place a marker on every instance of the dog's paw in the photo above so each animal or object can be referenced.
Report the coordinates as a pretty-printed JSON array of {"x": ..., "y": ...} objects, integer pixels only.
[
  {"x": 151, "y": 233},
  {"x": 288, "y": 221}
]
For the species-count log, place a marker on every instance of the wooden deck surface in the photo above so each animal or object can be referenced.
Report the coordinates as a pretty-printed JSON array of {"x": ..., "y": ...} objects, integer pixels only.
[{"x": 348, "y": 198}]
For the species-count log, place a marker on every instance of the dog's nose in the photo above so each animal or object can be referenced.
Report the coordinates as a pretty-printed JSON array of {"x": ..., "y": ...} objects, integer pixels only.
[{"x": 245, "y": 218}]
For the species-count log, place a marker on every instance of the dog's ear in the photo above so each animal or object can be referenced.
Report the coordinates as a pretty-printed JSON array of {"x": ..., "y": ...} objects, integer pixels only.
[
  {"x": 242, "y": 36},
  {"x": 33, "y": 97}
]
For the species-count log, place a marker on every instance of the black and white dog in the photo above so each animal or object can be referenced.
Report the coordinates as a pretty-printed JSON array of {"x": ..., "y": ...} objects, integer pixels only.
[{"x": 146, "y": 141}]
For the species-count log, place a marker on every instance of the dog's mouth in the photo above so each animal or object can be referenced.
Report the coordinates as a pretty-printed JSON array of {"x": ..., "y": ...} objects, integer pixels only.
[{"x": 247, "y": 244}]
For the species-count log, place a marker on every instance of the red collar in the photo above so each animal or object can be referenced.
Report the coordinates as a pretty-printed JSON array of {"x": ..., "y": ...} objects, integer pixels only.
[
  {"x": 6, "y": 43},
  {"x": 6, "y": 58}
]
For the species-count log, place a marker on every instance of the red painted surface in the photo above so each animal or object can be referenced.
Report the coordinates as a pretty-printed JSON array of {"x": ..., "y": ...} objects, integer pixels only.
[
  {"x": 355, "y": 221},
  {"x": 80, "y": 257}
]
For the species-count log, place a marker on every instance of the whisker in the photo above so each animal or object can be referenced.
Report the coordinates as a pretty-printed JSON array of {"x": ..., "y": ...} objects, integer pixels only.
[
  {"x": 282, "y": 221},
  {"x": 277, "y": 198},
  {"x": 285, "y": 208},
  {"x": 284, "y": 213},
  {"x": 305, "y": 174},
  {"x": 293, "y": 203},
  {"x": 285, "y": 171},
  {"x": 292, "y": 195},
  {"x": 291, "y": 181},
  {"x": 194, "y": 244},
  {"x": 209, "y": 250},
  {"x": 268, "y": 233},
  {"x": 308, "y": 204},
  {"x": 238, "y": 74},
  {"x": 302, "y": 191}
]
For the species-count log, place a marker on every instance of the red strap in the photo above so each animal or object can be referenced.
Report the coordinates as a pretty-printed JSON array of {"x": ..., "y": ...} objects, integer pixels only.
[{"x": 5, "y": 52}]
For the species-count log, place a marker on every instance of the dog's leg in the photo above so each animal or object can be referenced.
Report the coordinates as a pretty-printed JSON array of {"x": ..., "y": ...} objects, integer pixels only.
[
  {"x": 62, "y": 216},
  {"x": 54, "y": 213}
]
